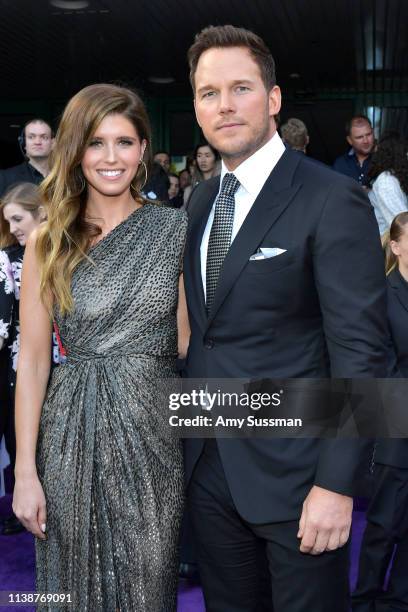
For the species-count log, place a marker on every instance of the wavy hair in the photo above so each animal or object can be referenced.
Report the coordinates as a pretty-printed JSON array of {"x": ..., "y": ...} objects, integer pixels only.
[
  {"x": 26, "y": 195},
  {"x": 391, "y": 156},
  {"x": 64, "y": 240},
  {"x": 395, "y": 232}
]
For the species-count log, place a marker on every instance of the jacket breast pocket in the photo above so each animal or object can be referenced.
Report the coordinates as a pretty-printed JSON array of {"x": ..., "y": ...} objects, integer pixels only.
[{"x": 270, "y": 264}]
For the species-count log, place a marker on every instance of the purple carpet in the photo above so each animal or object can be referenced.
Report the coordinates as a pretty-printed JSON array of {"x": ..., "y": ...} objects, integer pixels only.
[{"x": 17, "y": 564}]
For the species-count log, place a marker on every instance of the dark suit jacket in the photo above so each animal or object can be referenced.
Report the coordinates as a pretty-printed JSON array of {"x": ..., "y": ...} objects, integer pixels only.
[
  {"x": 23, "y": 173},
  {"x": 394, "y": 452},
  {"x": 318, "y": 310}
]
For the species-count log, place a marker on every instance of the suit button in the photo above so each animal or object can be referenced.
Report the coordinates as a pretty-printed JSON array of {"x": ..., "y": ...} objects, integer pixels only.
[{"x": 209, "y": 344}]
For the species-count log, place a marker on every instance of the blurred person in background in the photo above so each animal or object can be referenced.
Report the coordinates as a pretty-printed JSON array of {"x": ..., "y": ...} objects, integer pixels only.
[
  {"x": 389, "y": 179},
  {"x": 294, "y": 134},
  {"x": 174, "y": 192},
  {"x": 21, "y": 211},
  {"x": 163, "y": 158},
  {"x": 207, "y": 165},
  {"x": 356, "y": 162},
  {"x": 185, "y": 178},
  {"x": 387, "y": 515},
  {"x": 36, "y": 142}
]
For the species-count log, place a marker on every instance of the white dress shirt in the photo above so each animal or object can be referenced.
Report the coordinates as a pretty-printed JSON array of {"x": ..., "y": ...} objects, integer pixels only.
[
  {"x": 388, "y": 199},
  {"x": 252, "y": 174}
]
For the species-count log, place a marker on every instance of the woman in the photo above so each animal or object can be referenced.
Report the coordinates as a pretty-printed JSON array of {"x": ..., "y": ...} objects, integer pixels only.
[
  {"x": 389, "y": 177},
  {"x": 207, "y": 165},
  {"x": 20, "y": 213},
  {"x": 387, "y": 516},
  {"x": 104, "y": 496}
]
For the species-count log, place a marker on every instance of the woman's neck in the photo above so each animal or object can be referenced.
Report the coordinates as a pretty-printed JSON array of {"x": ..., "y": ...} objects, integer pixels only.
[
  {"x": 109, "y": 211},
  {"x": 403, "y": 270}
]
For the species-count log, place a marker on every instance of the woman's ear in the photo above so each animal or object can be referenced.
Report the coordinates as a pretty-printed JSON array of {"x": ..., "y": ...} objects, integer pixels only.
[{"x": 42, "y": 214}]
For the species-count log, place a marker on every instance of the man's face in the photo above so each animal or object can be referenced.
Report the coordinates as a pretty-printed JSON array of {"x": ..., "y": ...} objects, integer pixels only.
[
  {"x": 232, "y": 106},
  {"x": 38, "y": 140},
  {"x": 164, "y": 160},
  {"x": 361, "y": 138}
]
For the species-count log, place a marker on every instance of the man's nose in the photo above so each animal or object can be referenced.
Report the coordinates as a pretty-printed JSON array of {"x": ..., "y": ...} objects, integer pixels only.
[{"x": 226, "y": 102}]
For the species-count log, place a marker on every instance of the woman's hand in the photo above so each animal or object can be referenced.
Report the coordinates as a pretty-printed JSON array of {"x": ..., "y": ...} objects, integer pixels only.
[{"x": 29, "y": 505}]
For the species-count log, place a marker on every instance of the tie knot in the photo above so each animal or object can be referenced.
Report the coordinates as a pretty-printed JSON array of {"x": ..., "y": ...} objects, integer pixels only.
[{"x": 230, "y": 184}]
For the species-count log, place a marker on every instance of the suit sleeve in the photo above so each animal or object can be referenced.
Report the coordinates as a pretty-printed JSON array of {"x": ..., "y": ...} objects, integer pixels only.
[{"x": 350, "y": 280}]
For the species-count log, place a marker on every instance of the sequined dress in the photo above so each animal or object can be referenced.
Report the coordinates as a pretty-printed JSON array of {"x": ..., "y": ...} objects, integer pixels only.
[{"x": 113, "y": 481}]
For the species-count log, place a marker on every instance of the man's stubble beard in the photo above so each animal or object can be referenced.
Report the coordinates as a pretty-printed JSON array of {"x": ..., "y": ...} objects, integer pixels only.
[{"x": 249, "y": 148}]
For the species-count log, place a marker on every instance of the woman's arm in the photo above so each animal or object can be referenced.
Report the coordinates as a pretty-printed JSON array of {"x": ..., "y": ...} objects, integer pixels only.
[
  {"x": 183, "y": 325},
  {"x": 6, "y": 297},
  {"x": 32, "y": 377}
]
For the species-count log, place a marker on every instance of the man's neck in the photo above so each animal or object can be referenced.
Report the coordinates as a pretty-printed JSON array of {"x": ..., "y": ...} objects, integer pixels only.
[
  {"x": 41, "y": 165},
  {"x": 361, "y": 158}
]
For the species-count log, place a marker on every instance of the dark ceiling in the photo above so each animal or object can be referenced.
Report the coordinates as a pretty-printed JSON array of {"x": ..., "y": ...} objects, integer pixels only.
[
  {"x": 332, "y": 56},
  {"x": 46, "y": 52}
]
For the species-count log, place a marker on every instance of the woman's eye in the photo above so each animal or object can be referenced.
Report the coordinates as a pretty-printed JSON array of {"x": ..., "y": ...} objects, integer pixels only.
[
  {"x": 126, "y": 142},
  {"x": 95, "y": 143}
]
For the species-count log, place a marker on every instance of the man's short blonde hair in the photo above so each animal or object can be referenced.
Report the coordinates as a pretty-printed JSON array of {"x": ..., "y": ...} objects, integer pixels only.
[{"x": 294, "y": 133}]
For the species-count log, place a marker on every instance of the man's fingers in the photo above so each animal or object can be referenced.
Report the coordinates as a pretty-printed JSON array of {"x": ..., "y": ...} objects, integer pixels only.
[
  {"x": 344, "y": 536},
  {"x": 302, "y": 524},
  {"x": 334, "y": 540},
  {"x": 321, "y": 542},
  {"x": 308, "y": 539}
]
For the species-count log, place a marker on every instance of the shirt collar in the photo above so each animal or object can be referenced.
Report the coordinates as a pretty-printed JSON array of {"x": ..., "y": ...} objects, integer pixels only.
[{"x": 253, "y": 172}]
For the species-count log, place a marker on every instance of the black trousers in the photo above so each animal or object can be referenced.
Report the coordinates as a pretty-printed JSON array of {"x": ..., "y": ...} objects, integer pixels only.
[
  {"x": 386, "y": 535},
  {"x": 257, "y": 568}
]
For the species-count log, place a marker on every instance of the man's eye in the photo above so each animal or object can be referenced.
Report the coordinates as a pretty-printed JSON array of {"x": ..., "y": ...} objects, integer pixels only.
[
  {"x": 209, "y": 94},
  {"x": 242, "y": 88}
]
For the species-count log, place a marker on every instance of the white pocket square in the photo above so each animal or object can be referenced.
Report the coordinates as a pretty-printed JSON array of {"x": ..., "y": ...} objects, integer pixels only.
[{"x": 266, "y": 253}]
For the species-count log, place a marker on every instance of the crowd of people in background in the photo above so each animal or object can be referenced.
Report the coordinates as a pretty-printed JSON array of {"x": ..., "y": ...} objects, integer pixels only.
[{"x": 379, "y": 166}]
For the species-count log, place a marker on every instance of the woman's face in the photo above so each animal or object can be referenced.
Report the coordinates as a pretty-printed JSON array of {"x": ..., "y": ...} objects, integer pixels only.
[
  {"x": 205, "y": 159},
  {"x": 174, "y": 186},
  {"x": 400, "y": 248},
  {"x": 113, "y": 155},
  {"x": 21, "y": 221}
]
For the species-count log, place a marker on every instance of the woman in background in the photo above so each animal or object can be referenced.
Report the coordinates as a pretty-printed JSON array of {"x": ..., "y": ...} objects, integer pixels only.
[
  {"x": 207, "y": 164},
  {"x": 387, "y": 515},
  {"x": 389, "y": 178},
  {"x": 101, "y": 486},
  {"x": 21, "y": 212}
]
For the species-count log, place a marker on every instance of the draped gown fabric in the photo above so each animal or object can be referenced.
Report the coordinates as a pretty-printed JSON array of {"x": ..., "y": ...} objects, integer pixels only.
[{"x": 112, "y": 477}]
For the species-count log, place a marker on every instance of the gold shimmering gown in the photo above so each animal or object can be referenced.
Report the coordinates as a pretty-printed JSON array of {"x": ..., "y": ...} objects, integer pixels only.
[{"x": 111, "y": 474}]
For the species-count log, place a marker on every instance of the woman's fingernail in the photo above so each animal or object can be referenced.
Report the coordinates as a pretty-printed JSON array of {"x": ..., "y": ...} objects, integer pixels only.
[{"x": 43, "y": 527}]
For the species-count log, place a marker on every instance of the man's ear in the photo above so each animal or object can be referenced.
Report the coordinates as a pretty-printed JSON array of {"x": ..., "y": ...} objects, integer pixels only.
[
  {"x": 275, "y": 101},
  {"x": 349, "y": 141}
]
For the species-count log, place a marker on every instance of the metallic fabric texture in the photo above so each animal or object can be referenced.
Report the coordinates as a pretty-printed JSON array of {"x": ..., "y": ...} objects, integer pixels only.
[{"x": 112, "y": 478}]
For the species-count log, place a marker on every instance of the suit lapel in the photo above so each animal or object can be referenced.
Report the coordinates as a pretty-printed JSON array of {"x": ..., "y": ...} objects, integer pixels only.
[
  {"x": 401, "y": 291},
  {"x": 273, "y": 199}
]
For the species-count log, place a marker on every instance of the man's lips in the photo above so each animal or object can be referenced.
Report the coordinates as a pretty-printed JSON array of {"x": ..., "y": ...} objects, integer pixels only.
[{"x": 229, "y": 125}]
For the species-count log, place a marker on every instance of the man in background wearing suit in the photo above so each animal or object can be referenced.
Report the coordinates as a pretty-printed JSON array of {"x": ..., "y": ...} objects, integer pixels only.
[{"x": 284, "y": 278}]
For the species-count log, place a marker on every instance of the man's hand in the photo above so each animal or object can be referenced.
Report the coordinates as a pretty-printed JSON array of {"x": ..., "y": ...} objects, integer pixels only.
[{"x": 325, "y": 522}]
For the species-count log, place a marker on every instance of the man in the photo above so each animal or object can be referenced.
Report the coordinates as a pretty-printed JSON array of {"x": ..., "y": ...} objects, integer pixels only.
[
  {"x": 356, "y": 163},
  {"x": 36, "y": 142},
  {"x": 163, "y": 158},
  {"x": 294, "y": 134},
  {"x": 314, "y": 310}
]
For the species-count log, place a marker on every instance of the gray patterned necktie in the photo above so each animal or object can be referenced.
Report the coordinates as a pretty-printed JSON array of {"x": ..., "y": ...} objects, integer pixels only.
[{"x": 220, "y": 235}]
